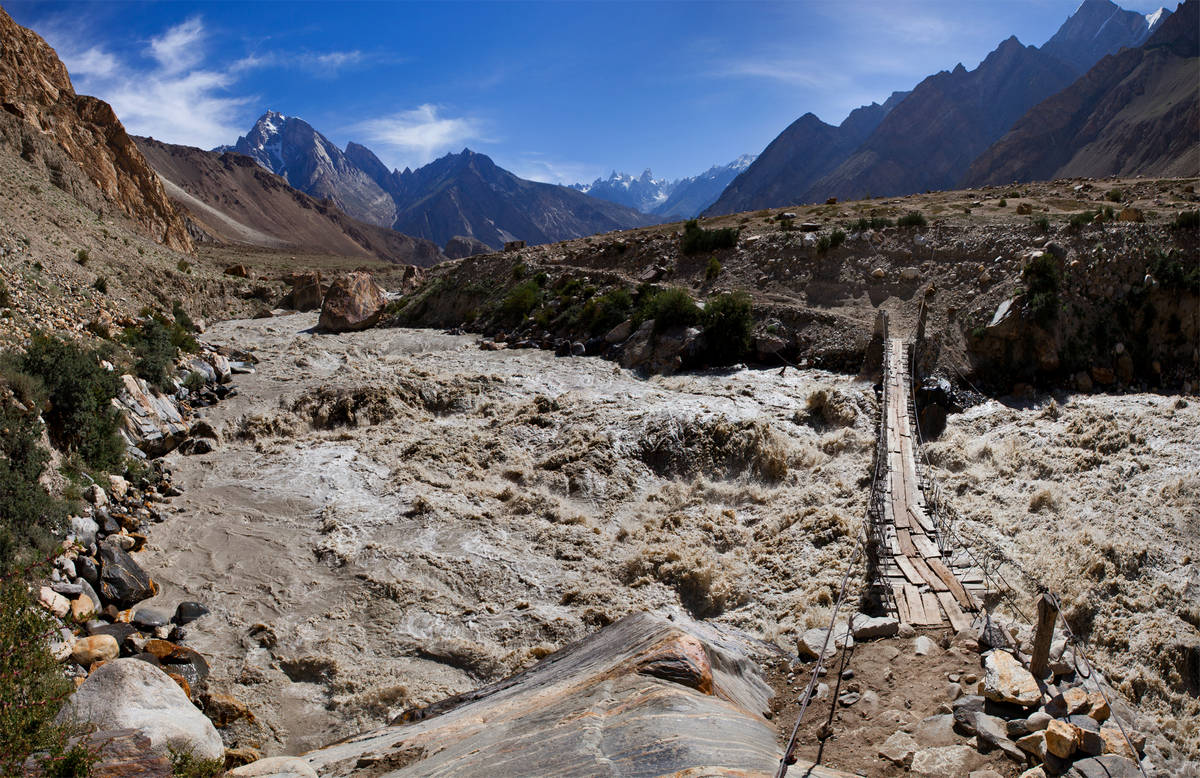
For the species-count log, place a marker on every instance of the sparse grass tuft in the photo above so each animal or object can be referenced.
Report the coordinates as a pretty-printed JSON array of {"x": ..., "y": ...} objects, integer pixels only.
[
  {"x": 912, "y": 219},
  {"x": 697, "y": 239}
]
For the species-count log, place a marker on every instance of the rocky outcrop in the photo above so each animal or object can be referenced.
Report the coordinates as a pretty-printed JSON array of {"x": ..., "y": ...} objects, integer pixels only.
[
  {"x": 49, "y": 125},
  {"x": 670, "y": 696},
  {"x": 130, "y": 693},
  {"x": 352, "y": 303},
  {"x": 461, "y": 246},
  {"x": 151, "y": 421}
]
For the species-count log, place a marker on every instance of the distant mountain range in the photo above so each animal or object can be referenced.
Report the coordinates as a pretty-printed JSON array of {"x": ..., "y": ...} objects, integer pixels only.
[
  {"x": 460, "y": 195},
  {"x": 930, "y": 137},
  {"x": 231, "y": 198},
  {"x": 1133, "y": 113},
  {"x": 683, "y": 198}
]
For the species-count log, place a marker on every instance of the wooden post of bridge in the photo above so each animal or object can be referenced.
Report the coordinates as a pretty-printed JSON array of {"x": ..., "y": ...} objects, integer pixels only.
[{"x": 1047, "y": 616}]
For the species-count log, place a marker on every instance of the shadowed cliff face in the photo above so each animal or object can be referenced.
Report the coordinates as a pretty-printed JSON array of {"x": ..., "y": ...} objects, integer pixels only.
[{"x": 78, "y": 139}]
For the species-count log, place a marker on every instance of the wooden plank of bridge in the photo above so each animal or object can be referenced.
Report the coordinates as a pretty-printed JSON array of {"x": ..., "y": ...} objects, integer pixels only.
[
  {"x": 927, "y": 548},
  {"x": 956, "y": 588},
  {"x": 916, "y": 605},
  {"x": 904, "y": 538},
  {"x": 902, "y": 611},
  {"x": 958, "y": 619},
  {"x": 933, "y": 614},
  {"x": 930, "y": 577},
  {"x": 909, "y": 571}
]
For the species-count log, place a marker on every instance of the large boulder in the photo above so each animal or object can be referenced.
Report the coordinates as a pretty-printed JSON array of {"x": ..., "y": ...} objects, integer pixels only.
[
  {"x": 307, "y": 292},
  {"x": 1006, "y": 680},
  {"x": 646, "y": 695},
  {"x": 352, "y": 303},
  {"x": 151, "y": 420},
  {"x": 130, "y": 693},
  {"x": 275, "y": 767},
  {"x": 122, "y": 581}
]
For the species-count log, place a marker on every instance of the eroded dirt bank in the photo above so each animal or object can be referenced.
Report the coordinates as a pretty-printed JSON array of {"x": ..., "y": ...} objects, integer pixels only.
[{"x": 396, "y": 515}]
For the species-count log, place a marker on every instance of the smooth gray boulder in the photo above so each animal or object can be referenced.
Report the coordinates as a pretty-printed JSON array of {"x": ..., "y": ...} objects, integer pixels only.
[
  {"x": 646, "y": 695},
  {"x": 130, "y": 693}
]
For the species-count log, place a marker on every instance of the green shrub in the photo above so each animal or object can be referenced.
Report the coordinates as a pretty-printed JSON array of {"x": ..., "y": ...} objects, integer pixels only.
[
  {"x": 606, "y": 311},
  {"x": 1079, "y": 220},
  {"x": 1014, "y": 194},
  {"x": 82, "y": 256},
  {"x": 29, "y": 516},
  {"x": 836, "y": 238},
  {"x": 786, "y": 223},
  {"x": 519, "y": 302},
  {"x": 1115, "y": 195},
  {"x": 912, "y": 219},
  {"x": 669, "y": 307},
  {"x": 713, "y": 270},
  {"x": 518, "y": 271},
  {"x": 873, "y": 223},
  {"x": 697, "y": 239},
  {"x": 823, "y": 244},
  {"x": 1042, "y": 279},
  {"x": 728, "y": 324},
  {"x": 185, "y": 764},
  {"x": 1003, "y": 203},
  {"x": 1171, "y": 274},
  {"x": 1040, "y": 223},
  {"x": 182, "y": 265},
  {"x": 100, "y": 284},
  {"x": 153, "y": 351},
  {"x": 1186, "y": 220},
  {"x": 32, "y": 689},
  {"x": 5, "y": 297},
  {"x": 80, "y": 417},
  {"x": 194, "y": 382}
]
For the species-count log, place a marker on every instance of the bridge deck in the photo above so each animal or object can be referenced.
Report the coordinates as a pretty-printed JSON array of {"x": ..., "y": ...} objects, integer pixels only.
[{"x": 928, "y": 584}]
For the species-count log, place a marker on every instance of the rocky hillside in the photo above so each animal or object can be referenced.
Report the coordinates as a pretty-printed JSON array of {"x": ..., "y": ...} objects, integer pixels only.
[
  {"x": 76, "y": 139},
  {"x": 936, "y": 131},
  {"x": 230, "y": 198},
  {"x": 1099, "y": 28},
  {"x": 933, "y": 135},
  {"x": 1135, "y": 112},
  {"x": 803, "y": 153}
]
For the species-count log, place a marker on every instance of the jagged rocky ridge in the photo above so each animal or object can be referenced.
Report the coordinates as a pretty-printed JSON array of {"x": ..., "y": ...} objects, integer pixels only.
[{"x": 76, "y": 138}]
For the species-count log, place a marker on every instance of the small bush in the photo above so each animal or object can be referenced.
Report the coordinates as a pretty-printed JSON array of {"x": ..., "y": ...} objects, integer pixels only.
[
  {"x": 713, "y": 270},
  {"x": 668, "y": 308},
  {"x": 836, "y": 238},
  {"x": 519, "y": 302},
  {"x": 32, "y": 688},
  {"x": 822, "y": 244},
  {"x": 912, "y": 219},
  {"x": 603, "y": 312},
  {"x": 29, "y": 517},
  {"x": 1186, "y": 220},
  {"x": 697, "y": 239},
  {"x": 80, "y": 416},
  {"x": 728, "y": 324},
  {"x": 1002, "y": 204},
  {"x": 1040, "y": 223},
  {"x": 185, "y": 764},
  {"x": 100, "y": 284},
  {"x": 518, "y": 271},
  {"x": 1014, "y": 194},
  {"x": 154, "y": 352},
  {"x": 1171, "y": 274},
  {"x": 873, "y": 223},
  {"x": 1042, "y": 279},
  {"x": 194, "y": 382},
  {"x": 182, "y": 265},
  {"x": 1115, "y": 195},
  {"x": 786, "y": 224},
  {"x": 82, "y": 256}
]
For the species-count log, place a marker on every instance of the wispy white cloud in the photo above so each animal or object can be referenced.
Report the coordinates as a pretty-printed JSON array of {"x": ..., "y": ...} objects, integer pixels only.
[
  {"x": 167, "y": 89},
  {"x": 416, "y": 136},
  {"x": 536, "y": 166},
  {"x": 180, "y": 48}
]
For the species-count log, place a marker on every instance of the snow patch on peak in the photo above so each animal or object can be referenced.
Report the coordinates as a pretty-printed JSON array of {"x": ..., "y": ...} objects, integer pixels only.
[{"x": 1153, "y": 19}]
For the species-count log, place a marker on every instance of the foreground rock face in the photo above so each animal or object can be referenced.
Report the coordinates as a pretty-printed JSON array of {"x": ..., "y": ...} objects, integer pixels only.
[
  {"x": 647, "y": 695},
  {"x": 151, "y": 420},
  {"x": 352, "y": 303},
  {"x": 49, "y": 124},
  {"x": 130, "y": 693}
]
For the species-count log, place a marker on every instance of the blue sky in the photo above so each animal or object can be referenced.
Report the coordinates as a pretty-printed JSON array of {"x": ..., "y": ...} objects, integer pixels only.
[{"x": 553, "y": 91}]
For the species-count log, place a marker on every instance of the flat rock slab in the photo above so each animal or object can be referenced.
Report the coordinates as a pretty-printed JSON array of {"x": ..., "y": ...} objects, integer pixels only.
[
  {"x": 644, "y": 696},
  {"x": 946, "y": 761},
  {"x": 1006, "y": 680}
]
